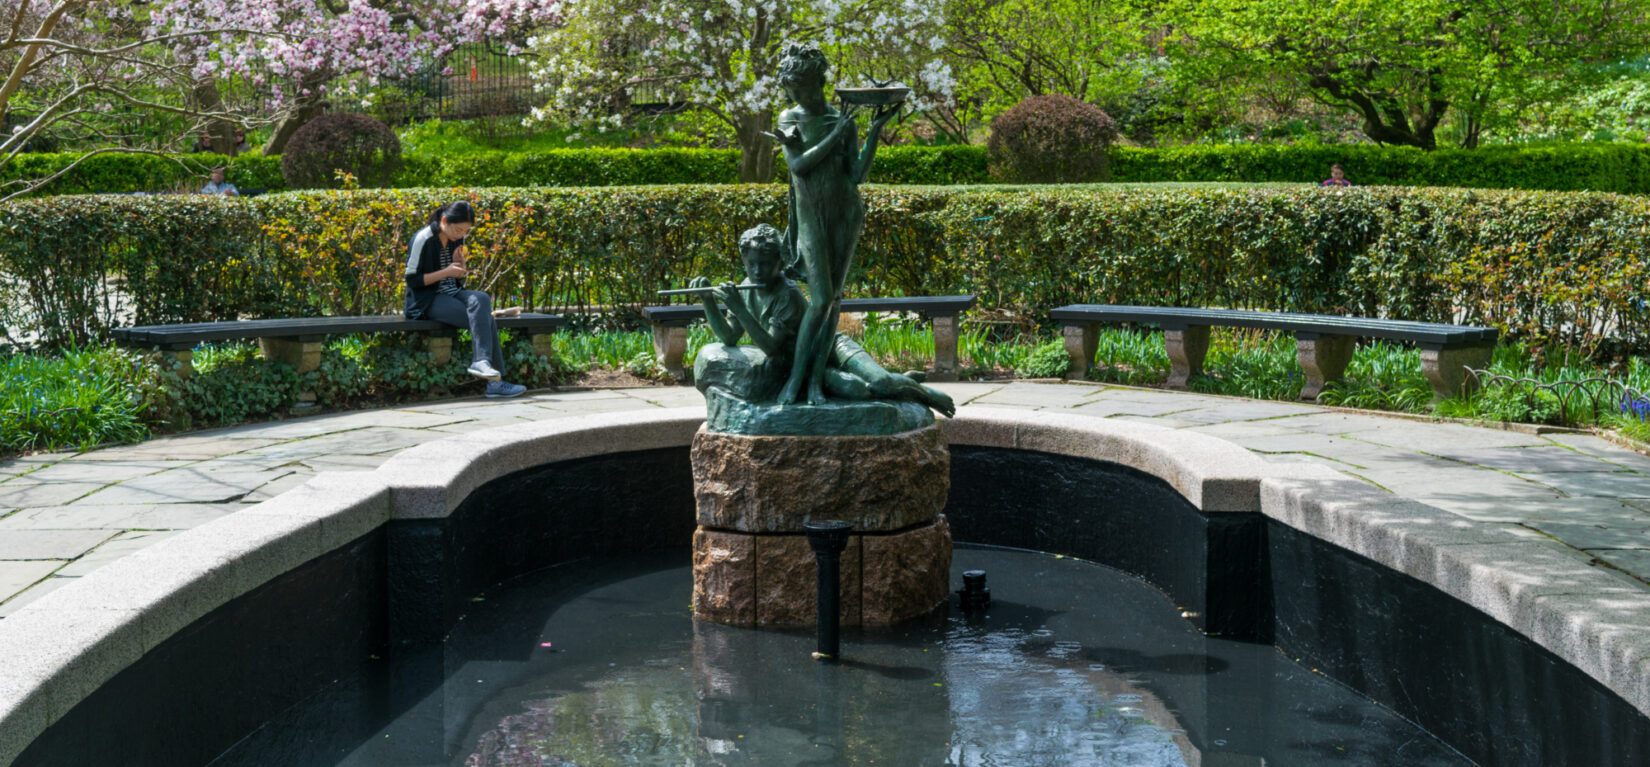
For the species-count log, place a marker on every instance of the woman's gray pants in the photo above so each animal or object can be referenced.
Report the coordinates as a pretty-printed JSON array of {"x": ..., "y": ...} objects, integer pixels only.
[{"x": 474, "y": 310}]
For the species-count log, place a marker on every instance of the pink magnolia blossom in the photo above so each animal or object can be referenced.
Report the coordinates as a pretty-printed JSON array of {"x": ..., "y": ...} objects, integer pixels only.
[{"x": 298, "y": 38}]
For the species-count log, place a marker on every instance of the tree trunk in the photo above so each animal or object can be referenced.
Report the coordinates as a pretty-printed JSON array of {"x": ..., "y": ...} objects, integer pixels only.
[
  {"x": 302, "y": 110},
  {"x": 210, "y": 100},
  {"x": 755, "y": 149},
  {"x": 1385, "y": 119}
]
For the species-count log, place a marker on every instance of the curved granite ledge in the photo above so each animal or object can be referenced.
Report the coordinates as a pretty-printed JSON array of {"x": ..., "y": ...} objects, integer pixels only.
[{"x": 60, "y": 648}]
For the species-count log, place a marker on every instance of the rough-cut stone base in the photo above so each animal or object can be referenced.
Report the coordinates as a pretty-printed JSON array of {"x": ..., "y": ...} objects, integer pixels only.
[
  {"x": 787, "y": 586},
  {"x": 906, "y": 574},
  {"x": 724, "y": 576},
  {"x": 774, "y": 484},
  {"x": 769, "y": 580},
  {"x": 730, "y": 415}
]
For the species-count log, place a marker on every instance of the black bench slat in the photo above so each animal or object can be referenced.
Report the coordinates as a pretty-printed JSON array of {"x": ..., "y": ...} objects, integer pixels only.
[
  {"x": 196, "y": 332},
  {"x": 934, "y": 305},
  {"x": 1178, "y": 318}
]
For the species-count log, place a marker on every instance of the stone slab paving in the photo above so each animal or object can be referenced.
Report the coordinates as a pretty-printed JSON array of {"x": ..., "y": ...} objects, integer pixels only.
[{"x": 65, "y": 514}]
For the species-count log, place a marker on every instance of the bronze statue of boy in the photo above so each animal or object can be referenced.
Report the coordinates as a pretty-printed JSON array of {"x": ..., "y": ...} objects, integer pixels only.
[{"x": 769, "y": 309}]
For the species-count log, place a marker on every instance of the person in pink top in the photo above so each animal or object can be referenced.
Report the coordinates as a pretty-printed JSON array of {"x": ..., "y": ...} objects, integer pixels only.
[{"x": 1337, "y": 177}]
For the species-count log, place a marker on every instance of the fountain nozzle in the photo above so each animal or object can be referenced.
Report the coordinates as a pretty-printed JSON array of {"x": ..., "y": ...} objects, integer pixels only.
[
  {"x": 974, "y": 595},
  {"x": 828, "y": 538}
]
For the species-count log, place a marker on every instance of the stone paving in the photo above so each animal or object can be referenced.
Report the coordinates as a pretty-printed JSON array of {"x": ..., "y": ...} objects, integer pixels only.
[{"x": 65, "y": 514}]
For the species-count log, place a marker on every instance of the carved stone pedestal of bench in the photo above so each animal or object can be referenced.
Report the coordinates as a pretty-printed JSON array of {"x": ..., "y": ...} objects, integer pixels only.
[
  {"x": 1322, "y": 359},
  {"x": 1446, "y": 369},
  {"x": 1187, "y": 348}
]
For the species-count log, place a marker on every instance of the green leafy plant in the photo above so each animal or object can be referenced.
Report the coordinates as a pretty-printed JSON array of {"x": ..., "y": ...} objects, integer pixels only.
[
  {"x": 230, "y": 384},
  {"x": 1046, "y": 361},
  {"x": 78, "y": 399}
]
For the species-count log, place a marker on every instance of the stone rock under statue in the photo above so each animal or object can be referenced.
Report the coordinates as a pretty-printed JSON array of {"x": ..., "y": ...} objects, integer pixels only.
[{"x": 802, "y": 424}]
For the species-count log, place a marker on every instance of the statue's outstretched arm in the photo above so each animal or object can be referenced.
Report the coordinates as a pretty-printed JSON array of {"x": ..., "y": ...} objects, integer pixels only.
[{"x": 862, "y": 165}]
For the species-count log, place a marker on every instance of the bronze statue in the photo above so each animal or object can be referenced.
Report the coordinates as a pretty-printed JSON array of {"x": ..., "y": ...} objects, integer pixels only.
[
  {"x": 827, "y": 165},
  {"x": 769, "y": 308}
]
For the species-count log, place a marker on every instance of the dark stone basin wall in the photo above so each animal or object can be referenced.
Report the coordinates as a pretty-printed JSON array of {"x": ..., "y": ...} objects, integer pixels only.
[{"x": 378, "y": 605}]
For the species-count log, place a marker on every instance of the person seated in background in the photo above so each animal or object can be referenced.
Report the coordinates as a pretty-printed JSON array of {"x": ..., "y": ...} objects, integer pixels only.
[
  {"x": 218, "y": 185},
  {"x": 203, "y": 143},
  {"x": 240, "y": 141},
  {"x": 1337, "y": 177}
]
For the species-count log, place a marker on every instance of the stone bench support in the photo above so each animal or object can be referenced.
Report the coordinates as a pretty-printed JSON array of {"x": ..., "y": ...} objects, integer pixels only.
[
  {"x": 302, "y": 353},
  {"x": 1446, "y": 369},
  {"x": 1323, "y": 359},
  {"x": 440, "y": 346},
  {"x": 1082, "y": 342},
  {"x": 1187, "y": 348},
  {"x": 945, "y": 348},
  {"x": 186, "y": 361},
  {"x": 669, "y": 347}
]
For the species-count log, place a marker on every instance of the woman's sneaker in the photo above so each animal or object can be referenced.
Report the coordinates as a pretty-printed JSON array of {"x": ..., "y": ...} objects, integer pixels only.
[
  {"x": 484, "y": 369},
  {"x": 502, "y": 390}
]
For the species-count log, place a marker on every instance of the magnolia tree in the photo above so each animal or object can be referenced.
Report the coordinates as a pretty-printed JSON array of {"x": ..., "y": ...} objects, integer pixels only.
[
  {"x": 87, "y": 70},
  {"x": 297, "y": 49},
  {"x": 721, "y": 56}
]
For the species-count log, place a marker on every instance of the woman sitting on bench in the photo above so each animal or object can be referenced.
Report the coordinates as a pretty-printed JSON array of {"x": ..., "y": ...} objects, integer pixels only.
[{"x": 435, "y": 291}]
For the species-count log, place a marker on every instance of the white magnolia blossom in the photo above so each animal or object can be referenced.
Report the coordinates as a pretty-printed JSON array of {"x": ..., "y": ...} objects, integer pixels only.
[{"x": 722, "y": 55}]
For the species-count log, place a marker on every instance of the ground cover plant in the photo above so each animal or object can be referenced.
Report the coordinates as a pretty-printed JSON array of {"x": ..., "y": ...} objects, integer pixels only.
[{"x": 81, "y": 398}]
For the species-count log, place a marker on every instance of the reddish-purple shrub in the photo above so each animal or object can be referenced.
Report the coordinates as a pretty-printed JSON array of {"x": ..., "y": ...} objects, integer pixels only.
[
  {"x": 353, "y": 143},
  {"x": 1051, "y": 139}
]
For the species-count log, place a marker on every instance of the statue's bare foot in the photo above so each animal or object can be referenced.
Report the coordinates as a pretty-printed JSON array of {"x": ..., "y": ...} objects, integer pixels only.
[
  {"x": 788, "y": 395},
  {"x": 939, "y": 400},
  {"x": 816, "y": 393}
]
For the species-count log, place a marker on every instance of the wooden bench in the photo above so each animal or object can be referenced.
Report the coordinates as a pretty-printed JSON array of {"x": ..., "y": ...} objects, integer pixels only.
[
  {"x": 670, "y": 325},
  {"x": 297, "y": 342},
  {"x": 1323, "y": 343}
]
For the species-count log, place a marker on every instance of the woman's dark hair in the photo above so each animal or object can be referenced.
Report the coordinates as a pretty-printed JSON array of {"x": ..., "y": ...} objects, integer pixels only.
[{"x": 455, "y": 213}]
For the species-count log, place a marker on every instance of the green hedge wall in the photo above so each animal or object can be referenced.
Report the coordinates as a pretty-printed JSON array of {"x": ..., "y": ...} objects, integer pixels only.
[
  {"x": 1598, "y": 167},
  {"x": 125, "y": 173},
  {"x": 1568, "y": 267},
  {"x": 1623, "y": 168}
]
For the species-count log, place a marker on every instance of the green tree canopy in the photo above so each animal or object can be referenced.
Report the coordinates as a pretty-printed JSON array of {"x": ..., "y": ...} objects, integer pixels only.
[{"x": 1404, "y": 66}]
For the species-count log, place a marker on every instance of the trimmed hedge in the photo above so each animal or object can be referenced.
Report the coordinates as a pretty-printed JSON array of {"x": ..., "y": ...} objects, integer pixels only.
[
  {"x": 1598, "y": 167},
  {"x": 1623, "y": 168},
  {"x": 1560, "y": 267},
  {"x": 126, "y": 173}
]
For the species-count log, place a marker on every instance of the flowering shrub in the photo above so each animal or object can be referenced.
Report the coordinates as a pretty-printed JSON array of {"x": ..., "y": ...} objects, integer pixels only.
[
  {"x": 1051, "y": 138},
  {"x": 355, "y": 144}
]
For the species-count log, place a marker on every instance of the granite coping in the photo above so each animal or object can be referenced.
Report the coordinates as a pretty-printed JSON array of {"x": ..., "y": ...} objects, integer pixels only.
[{"x": 61, "y": 647}]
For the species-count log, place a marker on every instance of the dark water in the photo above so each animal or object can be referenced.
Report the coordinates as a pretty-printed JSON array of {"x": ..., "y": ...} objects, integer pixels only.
[{"x": 1074, "y": 664}]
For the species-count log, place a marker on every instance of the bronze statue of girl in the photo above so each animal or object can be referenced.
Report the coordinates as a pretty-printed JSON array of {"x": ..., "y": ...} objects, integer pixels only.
[{"x": 827, "y": 165}]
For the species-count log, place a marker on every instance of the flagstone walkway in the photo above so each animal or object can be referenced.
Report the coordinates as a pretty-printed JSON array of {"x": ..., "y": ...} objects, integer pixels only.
[{"x": 64, "y": 514}]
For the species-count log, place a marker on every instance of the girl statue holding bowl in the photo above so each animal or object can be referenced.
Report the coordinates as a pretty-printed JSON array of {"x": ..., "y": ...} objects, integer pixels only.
[{"x": 827, "y": 165}]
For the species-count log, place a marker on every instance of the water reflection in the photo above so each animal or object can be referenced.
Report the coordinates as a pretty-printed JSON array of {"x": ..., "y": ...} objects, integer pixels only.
[
  {"x": 1074, "y": 664},
  {"x": 1085, "y": 676}
]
